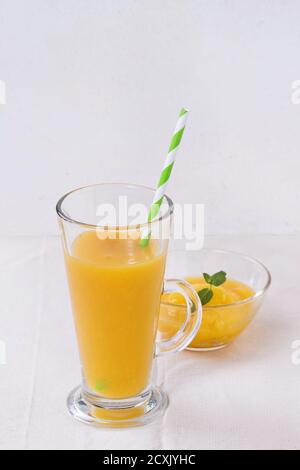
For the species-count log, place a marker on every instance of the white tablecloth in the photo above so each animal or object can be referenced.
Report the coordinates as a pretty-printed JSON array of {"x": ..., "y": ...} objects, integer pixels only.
[{"x": 246, "y": 396}]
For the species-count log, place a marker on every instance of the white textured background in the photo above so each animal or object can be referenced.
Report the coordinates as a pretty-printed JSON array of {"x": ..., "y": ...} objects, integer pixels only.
[
  {"x": 93, "y": 90},
  {"x": 94, "y": 87}
]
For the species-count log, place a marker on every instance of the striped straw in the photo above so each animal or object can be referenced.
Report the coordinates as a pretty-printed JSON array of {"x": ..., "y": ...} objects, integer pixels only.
[{"x": 165, "y": 174}]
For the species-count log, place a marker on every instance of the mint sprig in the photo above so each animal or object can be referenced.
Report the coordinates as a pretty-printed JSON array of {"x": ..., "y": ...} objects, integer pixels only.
[{"x": 215, "y": 280}]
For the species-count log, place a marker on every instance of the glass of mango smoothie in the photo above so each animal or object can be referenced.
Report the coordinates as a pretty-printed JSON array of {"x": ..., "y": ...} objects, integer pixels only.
[
  {"x": 115, "y": 287},
  {"x": 232, "y": 305}
]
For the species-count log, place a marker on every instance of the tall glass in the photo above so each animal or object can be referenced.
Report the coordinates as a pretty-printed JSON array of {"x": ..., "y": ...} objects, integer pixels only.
[{"x": 115, "y": 286}]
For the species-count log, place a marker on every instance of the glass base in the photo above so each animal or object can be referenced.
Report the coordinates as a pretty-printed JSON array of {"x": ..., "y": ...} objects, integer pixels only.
[
  {"x": 213, "y": 348},
  {"x": 117, "y": 413}
]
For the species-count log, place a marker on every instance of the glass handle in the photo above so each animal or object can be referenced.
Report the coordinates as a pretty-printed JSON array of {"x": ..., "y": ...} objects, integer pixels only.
[{"x": 192, "y": 321}]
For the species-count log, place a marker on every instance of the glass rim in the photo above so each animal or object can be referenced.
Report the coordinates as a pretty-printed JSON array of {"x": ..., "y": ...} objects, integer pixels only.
[
  {"x": 253, "y": 297},
  {"x": 116, "y": 228}
]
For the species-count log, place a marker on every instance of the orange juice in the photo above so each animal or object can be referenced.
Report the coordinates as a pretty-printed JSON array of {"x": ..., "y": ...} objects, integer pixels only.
[
  {"x": 115, "y": 288},
  {"x": 223, "y": 318}
]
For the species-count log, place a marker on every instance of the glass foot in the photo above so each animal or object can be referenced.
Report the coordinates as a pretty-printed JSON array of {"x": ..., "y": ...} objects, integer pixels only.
[
  {"x": 213, "y": 348},
  {"x": 117, "y": 413}
]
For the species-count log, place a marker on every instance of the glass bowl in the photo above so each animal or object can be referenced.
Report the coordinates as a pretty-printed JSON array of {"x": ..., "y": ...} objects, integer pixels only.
[{"x": 221, "y": 324}]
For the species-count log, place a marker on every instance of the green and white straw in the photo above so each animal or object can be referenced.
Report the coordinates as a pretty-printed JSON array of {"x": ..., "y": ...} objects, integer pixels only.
[{"x": 165, "y": 174}]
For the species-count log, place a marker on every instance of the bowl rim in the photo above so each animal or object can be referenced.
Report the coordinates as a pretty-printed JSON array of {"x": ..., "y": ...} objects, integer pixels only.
[{"x": 254, "y": 260}]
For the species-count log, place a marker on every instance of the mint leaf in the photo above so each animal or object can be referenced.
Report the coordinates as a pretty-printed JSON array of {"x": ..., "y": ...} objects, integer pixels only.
[
  {"x": 207, "y": 278},
  {"x": 218, "y": 278},
  {"x": 205, "y": 295}
]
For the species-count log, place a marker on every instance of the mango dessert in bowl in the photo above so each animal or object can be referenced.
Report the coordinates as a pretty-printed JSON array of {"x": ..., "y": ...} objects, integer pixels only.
[{"x": 231, "y": 288}]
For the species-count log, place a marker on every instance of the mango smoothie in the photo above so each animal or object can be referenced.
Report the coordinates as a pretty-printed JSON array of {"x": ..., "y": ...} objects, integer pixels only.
[
  {"x": 115, "y": 288},
  {"x": 223, "y": 320}
]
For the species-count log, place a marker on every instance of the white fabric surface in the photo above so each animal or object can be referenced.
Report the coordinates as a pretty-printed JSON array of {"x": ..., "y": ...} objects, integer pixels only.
[{"x": 246, "y": 396}]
